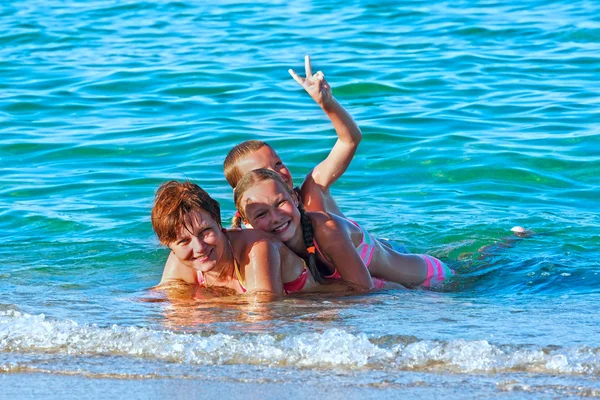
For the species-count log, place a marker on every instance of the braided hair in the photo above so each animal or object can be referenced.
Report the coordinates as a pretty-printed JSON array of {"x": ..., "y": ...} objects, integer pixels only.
[
  {"x": 263, "y": 174},
  {"x": 236, "y": 221},
  {"x": 309, "y": 242}
]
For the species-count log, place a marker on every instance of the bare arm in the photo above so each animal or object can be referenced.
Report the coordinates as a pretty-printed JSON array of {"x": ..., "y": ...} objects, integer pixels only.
[
  {"x": 176, "y": 289},
  {"x": 348, "y": 132},
  {"x": 263, "y": 271},
  {"x": 176, "y": 271},
  {"x": 342, "y": 153},
  {"x": 337, "y": 246}
]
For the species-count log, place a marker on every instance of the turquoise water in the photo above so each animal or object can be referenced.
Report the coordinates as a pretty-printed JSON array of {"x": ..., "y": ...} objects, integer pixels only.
[{"x": 477, "y": 116}]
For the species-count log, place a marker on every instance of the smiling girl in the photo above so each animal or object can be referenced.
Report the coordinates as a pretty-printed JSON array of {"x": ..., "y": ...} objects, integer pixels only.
[
  {"x": 337, "y": 247},
  {"x": 188, "y": 221},
  {"x": 314, "y": 191}
]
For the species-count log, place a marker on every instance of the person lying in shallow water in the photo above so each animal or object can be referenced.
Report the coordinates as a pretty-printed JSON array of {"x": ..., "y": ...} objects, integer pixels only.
[
  {"x": 330, "y": 243},
  {"x": 187, "y": 220},
  {"x": 314, "y": 240},
  {"x": 387, "y": 260}
]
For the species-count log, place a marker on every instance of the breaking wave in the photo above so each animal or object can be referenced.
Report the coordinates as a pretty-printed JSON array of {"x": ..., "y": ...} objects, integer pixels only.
[{"x": 22, "y": 333}]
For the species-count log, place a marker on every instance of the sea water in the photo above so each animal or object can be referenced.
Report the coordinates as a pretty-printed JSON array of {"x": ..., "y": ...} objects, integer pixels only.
[{"x": 476, "y": 116}]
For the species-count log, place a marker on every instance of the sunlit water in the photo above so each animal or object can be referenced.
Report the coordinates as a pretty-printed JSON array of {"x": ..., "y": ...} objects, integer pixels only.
[{"x": 477, "y": 116}]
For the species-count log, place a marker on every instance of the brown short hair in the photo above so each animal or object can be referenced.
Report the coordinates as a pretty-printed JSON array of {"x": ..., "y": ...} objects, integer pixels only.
[
  {"x": 239, "y": 151},
  {"x": 173, "y": 202}
]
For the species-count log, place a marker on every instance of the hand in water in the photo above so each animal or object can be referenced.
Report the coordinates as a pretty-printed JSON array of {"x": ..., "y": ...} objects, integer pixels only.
[
  {"x": 509, "y": 241},
  {"x": 316, "y": 85},
  {"x": 522, "y": 232}
]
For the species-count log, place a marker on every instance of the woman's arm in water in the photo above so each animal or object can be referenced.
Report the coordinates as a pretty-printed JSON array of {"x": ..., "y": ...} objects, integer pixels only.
[
  {"x": 348, "y": 132},
  {"x": 176, "y": 271}
]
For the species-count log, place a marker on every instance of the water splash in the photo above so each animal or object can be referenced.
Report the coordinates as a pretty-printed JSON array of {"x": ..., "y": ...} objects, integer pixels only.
[{"x": 332, "y": 348}]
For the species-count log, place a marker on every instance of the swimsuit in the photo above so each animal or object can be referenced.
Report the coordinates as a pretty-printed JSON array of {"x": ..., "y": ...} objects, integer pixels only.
[
  {"x": 365, "y": 249},
  {"x": 289, "y": 287},
  {"x": 437, "y": 271},
  {"x": 297, "y": 284}
]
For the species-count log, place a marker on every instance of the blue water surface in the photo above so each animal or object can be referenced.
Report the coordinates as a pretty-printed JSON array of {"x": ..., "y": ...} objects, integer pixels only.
[{"x": 476, "y": 116}]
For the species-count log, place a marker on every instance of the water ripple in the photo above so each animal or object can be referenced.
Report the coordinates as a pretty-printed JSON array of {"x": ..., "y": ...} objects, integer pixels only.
[{"x": 476, "y": 117}]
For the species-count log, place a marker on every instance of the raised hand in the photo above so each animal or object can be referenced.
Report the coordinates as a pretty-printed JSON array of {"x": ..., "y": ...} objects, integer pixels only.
[{"x": 316, "y": 85}]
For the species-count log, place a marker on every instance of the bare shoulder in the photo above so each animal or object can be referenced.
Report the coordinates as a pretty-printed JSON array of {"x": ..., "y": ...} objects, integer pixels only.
[
  {"x": 319, "y": 217},
  {"x": 329, "y": 229},
  {"x": 311, "y": 185},
  {"x": 175, "y": 271},
  {"x": 258, "y": 255},
  {"x": 250, "y": 243},
  {"x": 249, "y": 237},
  {"x": 325, "y": 222}
]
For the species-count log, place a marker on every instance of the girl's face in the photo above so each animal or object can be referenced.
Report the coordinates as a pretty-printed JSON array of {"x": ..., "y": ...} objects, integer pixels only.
[
  {"x": 199, "y": 245},
  {"x": 265, "y": 157},
  {"x": 271, "y": 208}
]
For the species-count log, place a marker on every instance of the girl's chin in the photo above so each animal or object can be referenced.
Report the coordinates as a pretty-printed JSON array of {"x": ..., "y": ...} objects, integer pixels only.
[{"x": 286, "y": 234}]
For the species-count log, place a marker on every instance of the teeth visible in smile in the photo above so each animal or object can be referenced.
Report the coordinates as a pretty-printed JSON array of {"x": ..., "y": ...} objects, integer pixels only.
[
  {"x": 202, "y": 257},
  {"x": 281, "y": 227}
]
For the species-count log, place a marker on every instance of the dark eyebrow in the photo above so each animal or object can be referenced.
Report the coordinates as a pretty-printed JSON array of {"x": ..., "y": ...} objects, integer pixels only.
[
  {"x": 202, "y": 227},
  {"x": 181, "y": 240}
]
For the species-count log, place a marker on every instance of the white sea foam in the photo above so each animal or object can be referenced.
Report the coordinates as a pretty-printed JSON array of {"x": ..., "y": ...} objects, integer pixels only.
[{"x": 23, "y": 333}]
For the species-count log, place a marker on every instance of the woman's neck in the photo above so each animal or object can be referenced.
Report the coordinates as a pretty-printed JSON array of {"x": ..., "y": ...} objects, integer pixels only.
[{"x": 223, "y": 271}]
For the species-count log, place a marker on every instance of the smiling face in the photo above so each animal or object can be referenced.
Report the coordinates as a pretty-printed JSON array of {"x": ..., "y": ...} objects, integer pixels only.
[
  {"x": 270, "y": 207},
  {"x": 267, "y": 158},
  {"x": 199, "y": 243}
]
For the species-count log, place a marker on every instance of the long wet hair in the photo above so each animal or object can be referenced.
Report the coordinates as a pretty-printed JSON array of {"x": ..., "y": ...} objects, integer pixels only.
[{"x": 261, "y": 175}]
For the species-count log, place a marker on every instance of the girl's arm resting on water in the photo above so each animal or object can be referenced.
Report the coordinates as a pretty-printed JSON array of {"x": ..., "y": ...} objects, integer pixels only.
[
  {"x": 176, "y": 271},
  {"x": 336, "y": 244},
  {"x": 348, "y": 132},
  {"x": 263, "y": 271}
]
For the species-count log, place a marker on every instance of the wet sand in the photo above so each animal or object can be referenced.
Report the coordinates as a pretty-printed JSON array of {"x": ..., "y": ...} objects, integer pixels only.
[{"x": 53, "y": 386}]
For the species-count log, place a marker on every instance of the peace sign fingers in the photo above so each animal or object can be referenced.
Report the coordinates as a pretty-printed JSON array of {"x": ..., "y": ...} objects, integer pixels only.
[
  {"x": 307, "y": 67},
  {"x": 296, "y": 77},
  {"x": 315, "y": 85}
]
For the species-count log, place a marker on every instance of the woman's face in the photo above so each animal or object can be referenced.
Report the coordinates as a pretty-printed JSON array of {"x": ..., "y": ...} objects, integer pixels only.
[
  {"x": 271, "y": 208},
  {"x": 265, "y": 157},
  {"x": 200, "y": 243}
]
